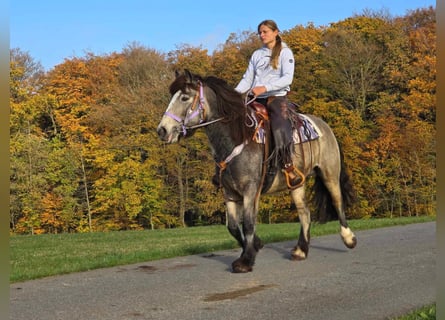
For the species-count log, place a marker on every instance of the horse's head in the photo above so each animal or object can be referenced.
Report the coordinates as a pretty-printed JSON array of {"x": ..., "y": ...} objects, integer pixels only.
[
  {"x": 198, "y": 102},
  {"x": 185, "y": 110}
]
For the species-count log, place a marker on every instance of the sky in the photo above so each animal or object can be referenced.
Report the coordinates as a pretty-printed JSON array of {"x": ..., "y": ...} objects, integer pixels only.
[{"x": 51, "y": 31}]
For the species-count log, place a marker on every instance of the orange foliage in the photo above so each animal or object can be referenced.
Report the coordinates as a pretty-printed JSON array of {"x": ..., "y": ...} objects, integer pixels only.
[{"x": 370, "y": 77}]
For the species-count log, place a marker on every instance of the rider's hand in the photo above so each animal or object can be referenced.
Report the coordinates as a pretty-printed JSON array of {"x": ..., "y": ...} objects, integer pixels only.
[{"x": 258, "y": 90}]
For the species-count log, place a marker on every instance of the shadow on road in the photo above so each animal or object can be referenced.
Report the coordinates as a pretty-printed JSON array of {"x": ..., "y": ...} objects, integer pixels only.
[
  {"x": 330, "y": 249},
  {"x": 224, "y": 259}
]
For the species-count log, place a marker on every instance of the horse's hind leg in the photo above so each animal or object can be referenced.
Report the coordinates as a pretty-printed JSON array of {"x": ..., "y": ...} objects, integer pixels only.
[
  {"x": 346, "y": 233},
  {"x": 301, "y": 250}
]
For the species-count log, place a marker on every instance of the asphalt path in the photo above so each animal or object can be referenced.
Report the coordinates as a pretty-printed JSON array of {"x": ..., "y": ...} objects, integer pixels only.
[{"x": 390, "y": 272}]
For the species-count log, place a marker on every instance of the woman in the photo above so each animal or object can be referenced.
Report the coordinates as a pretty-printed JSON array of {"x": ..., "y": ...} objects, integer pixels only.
[{"x": 268, "y": 78}]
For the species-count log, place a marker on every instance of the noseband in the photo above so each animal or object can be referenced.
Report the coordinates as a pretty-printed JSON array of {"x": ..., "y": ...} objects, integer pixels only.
[{"x": 194, "y": 112}]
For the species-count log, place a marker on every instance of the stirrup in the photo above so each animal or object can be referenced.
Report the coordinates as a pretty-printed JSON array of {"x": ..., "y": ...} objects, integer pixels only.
[{"x": 298, "y": 173}]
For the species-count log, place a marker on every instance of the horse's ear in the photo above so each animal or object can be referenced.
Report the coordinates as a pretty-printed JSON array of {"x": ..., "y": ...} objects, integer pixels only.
[
  {"x": 188, "y": 75},
  {"x": 177, "y": 74}
]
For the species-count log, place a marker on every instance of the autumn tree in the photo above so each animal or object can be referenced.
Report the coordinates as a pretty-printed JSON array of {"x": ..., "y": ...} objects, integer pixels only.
[
  {"x": 129, "y": 191},
  {"x": 405, "y": 117},
  {"x": 230, "y": 60},
  {"x": 195, "y": 59},
  {"x": 307, "y": 44},
  {"x": 28, "y": 146},
  {"x": 354, "y": 62},
  {"x": 85, "y": 155}
]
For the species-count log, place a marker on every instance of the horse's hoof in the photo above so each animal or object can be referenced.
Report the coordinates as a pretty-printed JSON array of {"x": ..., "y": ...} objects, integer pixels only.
[
  {"x": 239, "y": 267},
  {"x": 298, "y": 255},
  {"x": 295, "y": 257},
  {"x": 348, "y": 237},
  {"x": 352, "y": 243}
]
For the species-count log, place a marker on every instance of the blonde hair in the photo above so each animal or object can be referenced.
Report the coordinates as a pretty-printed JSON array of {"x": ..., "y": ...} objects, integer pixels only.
[{"x": 278, "y": 46}]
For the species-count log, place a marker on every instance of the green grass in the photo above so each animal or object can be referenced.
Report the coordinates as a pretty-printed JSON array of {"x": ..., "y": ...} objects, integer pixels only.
[
  {"x": 33, "y": 257},
  {"x": 425, "y": 313}
]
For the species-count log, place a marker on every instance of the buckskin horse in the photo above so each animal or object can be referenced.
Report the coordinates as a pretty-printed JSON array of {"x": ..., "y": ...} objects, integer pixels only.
[{"x": 240, "y": 151}]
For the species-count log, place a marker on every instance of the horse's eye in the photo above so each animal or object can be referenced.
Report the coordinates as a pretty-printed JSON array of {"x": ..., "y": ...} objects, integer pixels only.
[{"x": 184, "y": 98}]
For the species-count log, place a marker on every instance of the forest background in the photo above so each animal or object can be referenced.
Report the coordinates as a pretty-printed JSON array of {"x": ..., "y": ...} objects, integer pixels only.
[{"x": 85, "y": 156}]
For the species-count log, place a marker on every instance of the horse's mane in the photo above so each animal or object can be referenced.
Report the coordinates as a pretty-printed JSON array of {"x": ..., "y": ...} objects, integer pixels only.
[{"x": 229, "y": 102}]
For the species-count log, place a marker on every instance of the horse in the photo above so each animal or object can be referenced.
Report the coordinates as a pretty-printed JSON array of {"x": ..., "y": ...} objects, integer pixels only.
[{"x": 210, "y": 103}]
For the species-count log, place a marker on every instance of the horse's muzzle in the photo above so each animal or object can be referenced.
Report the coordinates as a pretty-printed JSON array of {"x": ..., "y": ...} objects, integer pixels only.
[
  {"x": 168, "y": 136},
  {"x": 162, "y": 133}
]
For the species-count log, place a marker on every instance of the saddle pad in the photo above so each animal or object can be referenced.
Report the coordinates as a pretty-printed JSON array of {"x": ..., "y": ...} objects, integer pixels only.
[{"x": 308, "y": 130}]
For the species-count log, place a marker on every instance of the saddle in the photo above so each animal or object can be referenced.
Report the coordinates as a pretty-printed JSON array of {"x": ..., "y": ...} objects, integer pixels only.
[
  {"x": 303, "y": 130},
  {"x": 260, "y": 118}
]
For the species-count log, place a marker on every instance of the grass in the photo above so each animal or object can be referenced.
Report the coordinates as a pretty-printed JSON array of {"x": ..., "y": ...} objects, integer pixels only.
[
  {"x": 33, "y": 257},
  {"x": 425, "y": 313}
]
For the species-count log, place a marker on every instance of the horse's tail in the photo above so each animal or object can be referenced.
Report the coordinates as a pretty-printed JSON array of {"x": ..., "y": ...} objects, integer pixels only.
[{"x": 324, "y": 209}]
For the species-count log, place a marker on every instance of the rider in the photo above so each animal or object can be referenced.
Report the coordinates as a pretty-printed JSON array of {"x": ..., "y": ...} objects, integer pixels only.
[{"x": 268, "y": 78}]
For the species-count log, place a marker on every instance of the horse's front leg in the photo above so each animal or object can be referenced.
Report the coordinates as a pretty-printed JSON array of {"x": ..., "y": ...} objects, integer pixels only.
[
  {"x": 234, "y": 212},
  {"x": 251, "y": 242}
]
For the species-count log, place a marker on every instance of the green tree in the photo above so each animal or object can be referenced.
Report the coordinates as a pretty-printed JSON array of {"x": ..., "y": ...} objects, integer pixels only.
[
  {"x": 28, "y": 146},
  {"x": 353, "y": 64},
  {"x": 60, "y": 208}
]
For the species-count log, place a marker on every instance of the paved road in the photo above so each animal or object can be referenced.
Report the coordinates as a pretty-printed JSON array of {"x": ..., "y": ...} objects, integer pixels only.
[{"x": 390, "y": 272}]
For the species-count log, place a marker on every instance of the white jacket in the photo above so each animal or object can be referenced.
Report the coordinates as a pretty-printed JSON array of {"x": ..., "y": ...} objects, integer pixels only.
[{"x": 260, "y": 72}]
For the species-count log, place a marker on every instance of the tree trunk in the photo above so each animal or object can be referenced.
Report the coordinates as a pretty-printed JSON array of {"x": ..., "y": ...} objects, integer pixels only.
[
  {"x": 85, "y": 186},
  {"x": 181, "y": 189}
]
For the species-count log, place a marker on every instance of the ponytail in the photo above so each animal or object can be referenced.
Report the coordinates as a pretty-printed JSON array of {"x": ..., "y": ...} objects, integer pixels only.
[{"x": 276, "y": 52}]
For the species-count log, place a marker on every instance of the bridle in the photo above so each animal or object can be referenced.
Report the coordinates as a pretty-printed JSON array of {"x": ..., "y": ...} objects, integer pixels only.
[{"x": 196, "y": 110}]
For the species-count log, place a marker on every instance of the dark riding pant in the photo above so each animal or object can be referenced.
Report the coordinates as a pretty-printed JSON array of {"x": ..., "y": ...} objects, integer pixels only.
[{"x": 281, "y": 128}]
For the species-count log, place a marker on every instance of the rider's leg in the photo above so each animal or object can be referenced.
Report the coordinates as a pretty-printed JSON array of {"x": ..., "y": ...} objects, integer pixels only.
[{"x": 283, "y": 137}]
